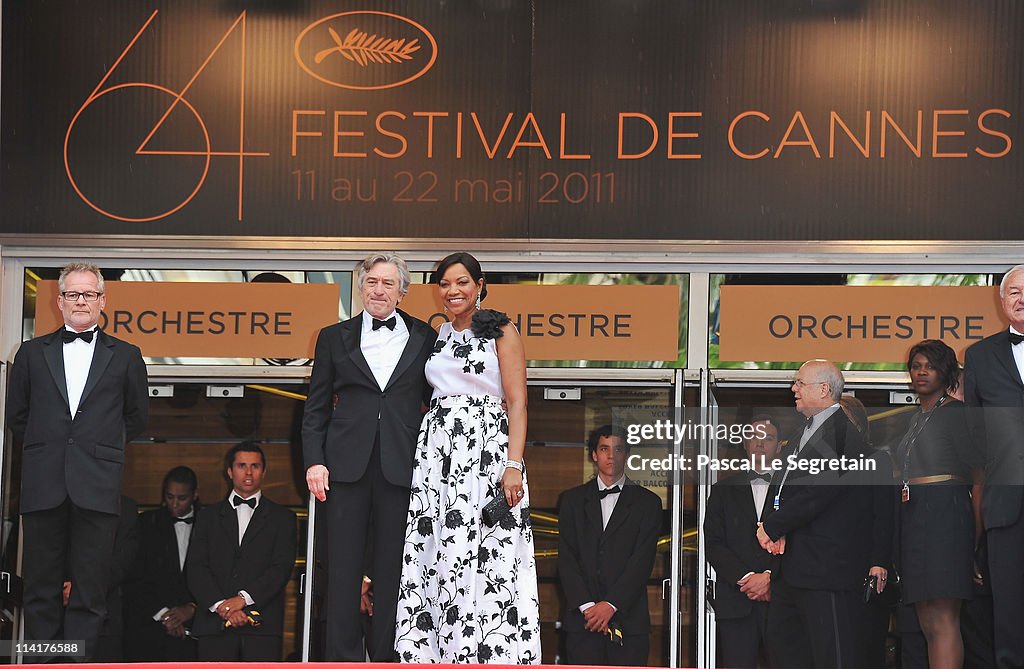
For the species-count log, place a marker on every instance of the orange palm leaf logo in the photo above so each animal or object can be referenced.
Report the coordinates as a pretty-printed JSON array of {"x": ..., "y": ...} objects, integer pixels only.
[{"x": 364, "y": 49}]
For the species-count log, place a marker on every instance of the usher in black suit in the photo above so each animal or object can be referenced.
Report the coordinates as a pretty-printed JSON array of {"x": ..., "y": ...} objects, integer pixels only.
[
  {"x": 367, "y": 441},
  {"x": 730, "y": 526},
  {"x": 71, "y": 476},
  {"x": 161, "y": 584},
  {"x": 218, "y": 568},
  {"x": 610, "y": 564},
  {"x": 816, "y": 614},
  {"x": 995, "y": 394}
]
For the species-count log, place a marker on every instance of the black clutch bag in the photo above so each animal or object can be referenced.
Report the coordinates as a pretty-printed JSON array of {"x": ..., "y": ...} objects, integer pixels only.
[
  {"x": 889, "y": 597},
  {"x": 495, "y": 510}
]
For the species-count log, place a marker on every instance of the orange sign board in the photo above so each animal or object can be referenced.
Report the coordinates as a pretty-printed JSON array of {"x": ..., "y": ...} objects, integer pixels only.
[
  {"x": 208, "y": 320},
  {"x": 577, "y": 322},
  {"x": 851, "y": 323}
]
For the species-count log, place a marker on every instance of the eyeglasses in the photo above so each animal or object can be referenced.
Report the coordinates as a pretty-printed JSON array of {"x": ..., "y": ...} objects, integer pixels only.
[
  {"x": 800, "y": 383},
  {"x": 73, "y": 295}
]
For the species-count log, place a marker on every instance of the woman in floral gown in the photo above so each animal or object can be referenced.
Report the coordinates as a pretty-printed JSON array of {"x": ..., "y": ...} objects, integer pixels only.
[{"x": 468, "y": 590}]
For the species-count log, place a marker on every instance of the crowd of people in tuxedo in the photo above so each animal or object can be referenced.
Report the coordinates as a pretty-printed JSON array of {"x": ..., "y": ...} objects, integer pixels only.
[
  {"x": 808, "y": 565},
  {"x": 431, "y": 512}
]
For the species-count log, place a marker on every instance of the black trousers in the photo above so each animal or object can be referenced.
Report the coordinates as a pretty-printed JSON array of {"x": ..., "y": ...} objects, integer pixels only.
[
  {"x": 815, "y": 629},
  {"x": 583, "y": 647},
  {"x": 67, "y": 543},
  {"x": 230, "y": 647},
  {"x": 1006, "y": 573},
  {"x": 741, "y": 641},
  {"x": 371, "y": 507}
]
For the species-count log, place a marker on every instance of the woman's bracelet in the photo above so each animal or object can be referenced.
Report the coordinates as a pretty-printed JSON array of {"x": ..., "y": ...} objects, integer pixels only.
[{"x": 514, "y": 465}]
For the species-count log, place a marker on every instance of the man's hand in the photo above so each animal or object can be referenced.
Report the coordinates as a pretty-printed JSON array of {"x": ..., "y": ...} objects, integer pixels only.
[
  {"x": 757, "y": 587},
  {"x": 237, "y": 619},
  {"x": 318, "y": 481},
  {"x": 177, "y": 616},
  {"x": 881, "y": 574},
  {"x": 597, "y": 617},
  {"x": 773, "y": 547},
  {"x": 366, "y": 597},
  {"x": 230, "y": 606}
]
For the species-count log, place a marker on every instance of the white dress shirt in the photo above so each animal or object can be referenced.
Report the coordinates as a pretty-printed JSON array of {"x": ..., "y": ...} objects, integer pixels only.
[
  {"x": 182, "y": 532},
  {"x": 383, "y": 347},
  {"x": 77, "y": 361},
  {"x": 759, "y": 489},
  {"x": 1018, "y": 353},
  {"x": 244, "y": 513}
]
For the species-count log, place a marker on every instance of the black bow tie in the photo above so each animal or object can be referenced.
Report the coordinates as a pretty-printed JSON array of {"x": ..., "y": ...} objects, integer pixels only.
[
  {"x": 389, "y": 323},
  {"x": 766, "y": 477},
  {"x": 1014, "y": 338},
  {"x": 614, "y": 490},
  {"x": 236, "y": 500},
  {"x": 70, "y": 336},
  {"x": 809, "y": 422},
  {"x": 187, "y": 521}
]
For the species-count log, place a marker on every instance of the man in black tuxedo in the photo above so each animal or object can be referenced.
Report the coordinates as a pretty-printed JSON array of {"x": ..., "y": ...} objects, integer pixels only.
[
  {"x": 240, "y": 559},
  {"x": 77, "y": 396},
  {"x": 607, "y": 539},
  {"x": 993, "y": 388},
  {"x": 742, "y": 567},
  {"x": 821, "y": 525},
  {"x": 163, "y": 608},
  {"x": 362, "y": 417}
]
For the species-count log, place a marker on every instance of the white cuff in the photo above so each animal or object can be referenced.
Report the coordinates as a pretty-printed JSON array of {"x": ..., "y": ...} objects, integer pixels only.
[
  {"x": 584, "y": 607},
  {"x": 159, "y": 615}
]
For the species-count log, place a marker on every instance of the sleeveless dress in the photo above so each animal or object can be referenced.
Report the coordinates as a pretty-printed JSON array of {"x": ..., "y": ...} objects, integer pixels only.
[{"x": 468, "y": 592}]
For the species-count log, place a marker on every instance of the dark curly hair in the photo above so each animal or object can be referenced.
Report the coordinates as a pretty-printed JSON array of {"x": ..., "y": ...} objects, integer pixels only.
[
  {"x": 606, "y": 431},
  {"x": 941, "y": 357},
  {"x": 487, "y": 323}
]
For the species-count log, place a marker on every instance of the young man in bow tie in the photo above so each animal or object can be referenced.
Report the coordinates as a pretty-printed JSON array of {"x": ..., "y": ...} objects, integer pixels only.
[
  {"x": 239, "y": 563},
  {"x": 162, "y": 608},
  {"x": 607, "y": 540},
  {"x": 77, "y": 396},
  {"x": 994, "y": 389},
  {"x": 742, "y": 567},
  {"x": 366, "y": 397}
]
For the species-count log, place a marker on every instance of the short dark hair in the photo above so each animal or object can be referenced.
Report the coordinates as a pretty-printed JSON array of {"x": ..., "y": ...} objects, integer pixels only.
[
  {"x": 942, "y": 358},
  {"x": 605, "y": 431},
  {"x": 471, "y": 264},
  {"x": 181, "y": 474},
  {"x": 247, "y": 446}
]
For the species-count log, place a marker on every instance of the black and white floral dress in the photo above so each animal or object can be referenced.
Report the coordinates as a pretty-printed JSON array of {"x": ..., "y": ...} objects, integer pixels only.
[{"x": 468, "y": 592}]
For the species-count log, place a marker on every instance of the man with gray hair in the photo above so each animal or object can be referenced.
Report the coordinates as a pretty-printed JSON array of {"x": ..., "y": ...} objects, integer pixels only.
[
  {"x": 994, "y": 388},
  {"x": 359, "y": 431},
  {"x": 77, "y": 396},
  {"x": 821, "y": 527}
]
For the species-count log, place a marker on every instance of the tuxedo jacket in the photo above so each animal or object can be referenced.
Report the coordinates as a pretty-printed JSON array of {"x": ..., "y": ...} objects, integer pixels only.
[
  {"x": 79, "y": 456},
  {"x": 218, "y": 567},
  {"x": 827, "y": 518},
  {"x": 611, "y": 564},
  {"x": 730, "y": 541},
  {"x": 341, "y": 436},
  {"x": 162, "y": 582},
  {"x": 992, "y": 382}
]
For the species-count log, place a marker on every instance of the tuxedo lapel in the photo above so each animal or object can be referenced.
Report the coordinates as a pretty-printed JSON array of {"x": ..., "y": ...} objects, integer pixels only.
[
  {"x": 101, "y": 357},
  {"x": 229, "y": 523},
  {"x": 351, "y": 334},
  {"x": 412, "y": 347},
  {"x": 54, "y": 354},
  {"x": 622, "y": 508},
  {"x": 1004, "y": 353},
  {"x": 592, "y": 507},
  {"x": 256, "y": 523}
]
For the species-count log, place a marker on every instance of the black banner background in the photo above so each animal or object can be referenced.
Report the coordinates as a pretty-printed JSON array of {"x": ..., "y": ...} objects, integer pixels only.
[{"x": 590, "y": 61}]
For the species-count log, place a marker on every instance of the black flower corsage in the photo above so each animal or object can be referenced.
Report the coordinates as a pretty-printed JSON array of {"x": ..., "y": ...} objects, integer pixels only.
[{"x": 487, "y": 323}]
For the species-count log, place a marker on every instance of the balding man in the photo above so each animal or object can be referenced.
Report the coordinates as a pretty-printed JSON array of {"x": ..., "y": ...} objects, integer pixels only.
[
  {"x": 994, "y": 382},
  {"x": 820, "y": 525}
]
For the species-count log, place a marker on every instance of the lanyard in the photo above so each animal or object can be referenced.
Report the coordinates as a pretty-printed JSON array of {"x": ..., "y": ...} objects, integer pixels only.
[{"x": 911, "y": 440}]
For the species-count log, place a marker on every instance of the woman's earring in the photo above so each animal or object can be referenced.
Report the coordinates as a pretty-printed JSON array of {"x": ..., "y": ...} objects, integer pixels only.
[
  {"x": 478, "y": 301},
  {"x": 445, "y": 307}
]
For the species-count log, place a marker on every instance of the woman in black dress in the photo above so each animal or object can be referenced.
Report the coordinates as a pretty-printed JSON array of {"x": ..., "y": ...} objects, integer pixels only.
[{"x": 937, "y": 465}]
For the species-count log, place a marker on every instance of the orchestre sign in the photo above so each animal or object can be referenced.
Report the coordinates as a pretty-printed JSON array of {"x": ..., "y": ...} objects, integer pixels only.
[
  {"x": 208, "y": 320},
  {"x": 577, "y": 322},
  {"x": 851, "y": 323}
]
